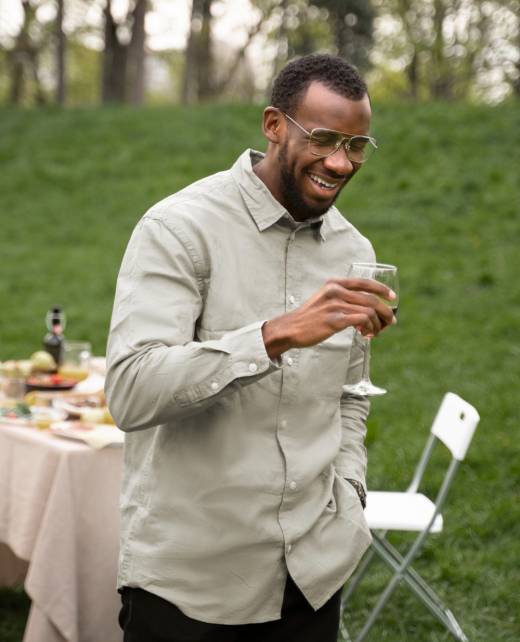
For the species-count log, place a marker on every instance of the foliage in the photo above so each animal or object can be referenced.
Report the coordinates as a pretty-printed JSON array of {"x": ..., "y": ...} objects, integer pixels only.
[
  {"x": 84, "y": 66},
  {"x": 352, "y": 24},
  {"x": 439, "y": 198},
  {"x": 452, "y": 50}
]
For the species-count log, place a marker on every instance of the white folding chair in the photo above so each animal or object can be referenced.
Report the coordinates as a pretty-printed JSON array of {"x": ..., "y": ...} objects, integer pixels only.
[{"x": 454, "y": 425}]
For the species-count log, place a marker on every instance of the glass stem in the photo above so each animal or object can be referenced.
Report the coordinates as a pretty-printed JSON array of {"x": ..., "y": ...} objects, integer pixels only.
[{"x": 366, "y": 358}]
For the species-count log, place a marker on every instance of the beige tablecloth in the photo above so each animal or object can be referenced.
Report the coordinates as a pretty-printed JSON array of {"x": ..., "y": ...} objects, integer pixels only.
[{"x": 59, "y": 512}]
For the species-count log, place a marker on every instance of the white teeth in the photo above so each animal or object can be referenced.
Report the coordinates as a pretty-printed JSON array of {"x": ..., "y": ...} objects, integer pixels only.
[{"x": 321, "y": 182}]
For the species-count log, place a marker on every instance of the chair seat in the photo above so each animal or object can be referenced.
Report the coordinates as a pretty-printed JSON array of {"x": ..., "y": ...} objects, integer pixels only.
[{"x": 400, "y": 511}]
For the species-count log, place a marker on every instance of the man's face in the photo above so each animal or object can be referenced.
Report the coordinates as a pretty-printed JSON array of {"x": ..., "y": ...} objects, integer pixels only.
[{"x": 299, "y": 190}]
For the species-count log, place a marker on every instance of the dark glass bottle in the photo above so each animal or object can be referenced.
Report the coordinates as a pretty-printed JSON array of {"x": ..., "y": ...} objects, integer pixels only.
[{"x": 54, "y": 339}]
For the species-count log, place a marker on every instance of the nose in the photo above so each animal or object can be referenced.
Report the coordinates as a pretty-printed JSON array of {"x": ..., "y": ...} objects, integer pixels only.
[{"x": 339, "y": 162}]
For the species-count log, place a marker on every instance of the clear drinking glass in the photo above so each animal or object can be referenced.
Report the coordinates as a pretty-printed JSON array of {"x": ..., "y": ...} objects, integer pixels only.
[
  {"x": 75, "y": 363},
  {"x": 386, "y": 274}
]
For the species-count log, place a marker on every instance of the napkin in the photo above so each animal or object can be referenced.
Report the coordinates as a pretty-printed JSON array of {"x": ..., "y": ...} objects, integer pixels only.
[{"x": 103, "y": 435}]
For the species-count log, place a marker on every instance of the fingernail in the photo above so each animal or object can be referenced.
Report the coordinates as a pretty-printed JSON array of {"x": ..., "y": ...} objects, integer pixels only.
[
  {"x": 394, "y": 320},
  {"x": 393, "y": 295}
]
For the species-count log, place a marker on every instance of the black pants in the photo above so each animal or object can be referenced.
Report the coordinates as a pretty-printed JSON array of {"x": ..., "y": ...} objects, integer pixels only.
[{"x": 145, "y": 617}]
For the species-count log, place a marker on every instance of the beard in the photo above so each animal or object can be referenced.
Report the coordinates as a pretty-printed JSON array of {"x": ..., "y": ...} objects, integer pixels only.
[{"x": 292, "y": 198}]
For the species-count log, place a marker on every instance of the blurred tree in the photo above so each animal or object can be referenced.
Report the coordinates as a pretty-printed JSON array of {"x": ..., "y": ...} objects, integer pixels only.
[
  {"x": 352, "y": 25},
  {"x": 124, "y": 54},
  {"x": 343, "y": 27},
  {"x": 197, "y": 80},
  {"x": 225, "y": 78},
  {"x": 451, "y": 49},
  {"x": 83, "y": 64},
  {"x": 504, "y": 51},
  {"x": 300, "y": 28},
  {"x": 60, "y": 54},
  {"x": 23, "y": 57}
]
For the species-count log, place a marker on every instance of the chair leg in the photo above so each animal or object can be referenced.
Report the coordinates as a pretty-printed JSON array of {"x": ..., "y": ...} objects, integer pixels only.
[
  {"x": 385, "y": 596},
  {"x": 354, "y": 581},
  {"x": 391, "y": 550},
  {"x": 422, "y": 590},
  {"x": 343, "y": 633},
  {"x": 434, "y": 604}
]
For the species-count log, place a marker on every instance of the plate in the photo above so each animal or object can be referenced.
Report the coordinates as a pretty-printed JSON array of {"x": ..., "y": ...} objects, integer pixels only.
[
  {"x": 40, "y": 417},
  {"x": 95, "y": 435},
  {"x": 49, "y": 382}
]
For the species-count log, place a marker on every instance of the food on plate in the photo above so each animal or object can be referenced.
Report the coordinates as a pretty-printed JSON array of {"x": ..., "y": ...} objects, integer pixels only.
[
  {"x": 34, "y": 416},
  {"x": 89, "y": 408},
  {"x": 42, "y": 361},
  {"x": 75, "y": 373},
  {"x": 13, "y": 369},
  {"x": 43, "y": 381},
  {"x": 17, "y": 410},
  {"x": 97, "y": 416}
]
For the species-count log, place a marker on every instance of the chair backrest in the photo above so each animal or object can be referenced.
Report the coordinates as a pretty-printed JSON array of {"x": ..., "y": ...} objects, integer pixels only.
[{"x": 455, "y": 424}]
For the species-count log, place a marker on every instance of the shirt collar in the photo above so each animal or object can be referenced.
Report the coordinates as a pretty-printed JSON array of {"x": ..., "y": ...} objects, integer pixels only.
[{"x": 262, "y": 205}]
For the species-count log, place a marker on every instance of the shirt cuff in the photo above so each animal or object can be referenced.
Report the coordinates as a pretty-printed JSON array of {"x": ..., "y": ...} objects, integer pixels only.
[{"x": 247, "y": 350}]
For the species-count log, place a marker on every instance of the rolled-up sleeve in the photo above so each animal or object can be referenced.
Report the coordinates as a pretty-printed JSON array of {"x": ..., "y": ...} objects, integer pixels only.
[{"x": 156, "y": 369}]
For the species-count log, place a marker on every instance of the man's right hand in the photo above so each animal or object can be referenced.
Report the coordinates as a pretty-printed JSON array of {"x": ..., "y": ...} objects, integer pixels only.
[{"x": 340, "y": 303}]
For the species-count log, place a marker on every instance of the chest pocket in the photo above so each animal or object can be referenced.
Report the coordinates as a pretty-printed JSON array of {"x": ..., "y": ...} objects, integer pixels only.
[{"x": 332, "y": 356}]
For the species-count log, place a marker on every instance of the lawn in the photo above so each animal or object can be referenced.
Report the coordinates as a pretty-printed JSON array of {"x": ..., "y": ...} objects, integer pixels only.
[{"x": 440, "y": 198}]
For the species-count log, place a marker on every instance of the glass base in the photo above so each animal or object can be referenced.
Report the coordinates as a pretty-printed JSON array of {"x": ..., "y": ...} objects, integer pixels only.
[{"x": 364, "y": 389}]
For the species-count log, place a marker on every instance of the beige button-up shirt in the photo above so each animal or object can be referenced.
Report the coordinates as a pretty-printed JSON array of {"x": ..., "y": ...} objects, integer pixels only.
[{"x": 234, "y": 465}]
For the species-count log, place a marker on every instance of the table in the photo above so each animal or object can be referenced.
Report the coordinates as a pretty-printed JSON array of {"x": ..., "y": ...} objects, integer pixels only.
[{"x": 59, "y": 516}]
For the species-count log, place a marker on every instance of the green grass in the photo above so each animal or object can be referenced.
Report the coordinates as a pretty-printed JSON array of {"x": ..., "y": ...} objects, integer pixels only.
[{"x": 441, "y": 199}]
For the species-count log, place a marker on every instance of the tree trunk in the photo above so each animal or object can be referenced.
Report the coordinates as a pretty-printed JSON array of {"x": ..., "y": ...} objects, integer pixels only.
[
  {"x": 17, "y": 77},
  {"x": 412, "y": 73},
  {"x": 60, "y": 55},
  {"x": 204, "y": 54},
  {"x": 114, "y": 61},
  {"x": 441, "y": 85},
  {"x": 197, "y": 80},
  {"x": 18, "y": 57},
  {"x": 515, "y": 83},
  {"x": 135, "y": 64},
  {"x": 189, "y": 90},
  {"x": 38, "y": 90}
]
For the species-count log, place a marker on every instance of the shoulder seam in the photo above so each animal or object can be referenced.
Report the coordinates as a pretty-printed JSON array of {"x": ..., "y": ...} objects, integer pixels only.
[{"x": 198, "y": 264}]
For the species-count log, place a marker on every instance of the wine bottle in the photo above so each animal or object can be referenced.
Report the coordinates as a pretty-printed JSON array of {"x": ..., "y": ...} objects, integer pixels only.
[{"x": 54, "y": 339}]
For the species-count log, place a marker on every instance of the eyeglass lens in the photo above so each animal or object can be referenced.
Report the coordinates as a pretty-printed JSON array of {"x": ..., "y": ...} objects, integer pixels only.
[{"x": 324, "y": 142}]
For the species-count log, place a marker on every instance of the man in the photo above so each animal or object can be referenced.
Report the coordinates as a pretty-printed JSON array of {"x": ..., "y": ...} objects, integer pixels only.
[{"x": 230, "y": 341}]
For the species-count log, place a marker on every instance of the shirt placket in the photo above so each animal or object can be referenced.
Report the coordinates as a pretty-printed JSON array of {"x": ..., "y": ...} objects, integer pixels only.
[{"x": 287, "y": 431}]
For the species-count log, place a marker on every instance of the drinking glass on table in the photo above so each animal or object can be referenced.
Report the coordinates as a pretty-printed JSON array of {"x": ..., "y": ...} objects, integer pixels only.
[
  {"x": 386, "y": 274},
  {"x": 75, "y": 363}
]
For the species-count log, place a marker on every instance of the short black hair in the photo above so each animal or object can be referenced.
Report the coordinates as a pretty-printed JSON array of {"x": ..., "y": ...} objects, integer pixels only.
[{"x": 335, "y": 73}]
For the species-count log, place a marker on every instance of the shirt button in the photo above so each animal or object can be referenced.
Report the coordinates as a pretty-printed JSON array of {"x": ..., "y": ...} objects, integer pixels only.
[
  {"x": 292, "y": 300},
  {"x": 253, "y": 367},
  {"x": 214, "y": 385},
  {"x": 289, "y": 361},
  {"x": 288, "y": 549},
  {"x": 292, "y": 485},
  {"x": 283, "y": 423}
]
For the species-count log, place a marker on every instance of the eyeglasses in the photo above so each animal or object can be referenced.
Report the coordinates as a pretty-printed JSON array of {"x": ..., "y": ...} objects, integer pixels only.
[{"x": 325, "y": 142}]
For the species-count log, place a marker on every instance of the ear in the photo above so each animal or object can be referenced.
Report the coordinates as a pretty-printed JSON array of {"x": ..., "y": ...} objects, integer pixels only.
[{"x": 273, "y": 124}]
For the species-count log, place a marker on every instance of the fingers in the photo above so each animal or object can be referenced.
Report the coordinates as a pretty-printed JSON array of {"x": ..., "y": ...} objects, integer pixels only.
[
  {"x": 365, "y": 293},
  {"x": 364, "y": 319},
  {"x": 367, "y": 285}
]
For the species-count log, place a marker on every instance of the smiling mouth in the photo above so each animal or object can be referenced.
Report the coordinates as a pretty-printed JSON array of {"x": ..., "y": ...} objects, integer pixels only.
[{"x": 324, "y": 184}]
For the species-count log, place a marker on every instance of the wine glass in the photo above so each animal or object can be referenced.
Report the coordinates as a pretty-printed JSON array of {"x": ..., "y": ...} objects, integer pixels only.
[
  {"x": 386, "y": 274},
  {"x": 76, "y": 360}
]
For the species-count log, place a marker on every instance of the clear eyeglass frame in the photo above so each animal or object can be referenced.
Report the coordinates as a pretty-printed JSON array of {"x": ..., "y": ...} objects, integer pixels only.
[{"x": 326, "y": 142}]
